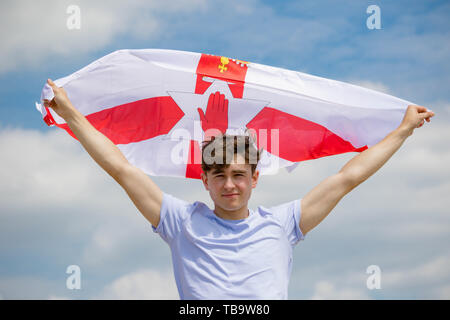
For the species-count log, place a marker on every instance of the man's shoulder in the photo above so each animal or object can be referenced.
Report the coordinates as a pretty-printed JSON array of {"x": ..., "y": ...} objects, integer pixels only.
[
  {"x": 281, "y": 212},
  {"x": 281, "y": 207},
  {"x": 181, "y": 204}
]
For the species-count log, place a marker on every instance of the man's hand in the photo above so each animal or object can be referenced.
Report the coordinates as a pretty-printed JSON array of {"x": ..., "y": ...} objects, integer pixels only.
[
  {"x": 60, "y": 102},
  {"x": 415, "y": 117},
  {"x": 216, "y": 117}
]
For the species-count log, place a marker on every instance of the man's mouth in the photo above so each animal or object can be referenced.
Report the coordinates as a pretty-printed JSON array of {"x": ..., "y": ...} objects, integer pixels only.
[{"x": 231, "y": 195}]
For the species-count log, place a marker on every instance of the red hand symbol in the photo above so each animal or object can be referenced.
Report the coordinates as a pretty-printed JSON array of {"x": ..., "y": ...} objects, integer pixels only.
[{"x": 216, "y": 117}]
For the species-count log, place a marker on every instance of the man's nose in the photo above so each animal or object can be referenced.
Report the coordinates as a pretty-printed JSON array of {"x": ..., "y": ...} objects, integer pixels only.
[{"x": 229, "y": 184}]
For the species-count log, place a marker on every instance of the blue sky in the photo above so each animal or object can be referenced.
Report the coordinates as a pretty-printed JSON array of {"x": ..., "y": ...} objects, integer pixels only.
[{"x": 57, "y": 208}]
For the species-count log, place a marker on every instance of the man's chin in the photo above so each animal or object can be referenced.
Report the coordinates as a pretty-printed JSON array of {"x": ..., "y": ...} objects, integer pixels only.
[{"x": 231, "y": 206}]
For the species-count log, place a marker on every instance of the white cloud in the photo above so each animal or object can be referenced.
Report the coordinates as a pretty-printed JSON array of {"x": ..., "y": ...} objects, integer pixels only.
[
  {"x": 34, "y": 31},
  {"x": 435, "y": 272},
  {"x": 53, "y": 297},
  {"x": 325, "y": 290},
  {"x": 40, "y": 160},
  {"x": 443, "y": 292},
  {"x": 26, "y": 287},
  {"x": 144, "y": 284},
  {"x": 418, "y": 280},
  {"x": 118, "y": 239}
]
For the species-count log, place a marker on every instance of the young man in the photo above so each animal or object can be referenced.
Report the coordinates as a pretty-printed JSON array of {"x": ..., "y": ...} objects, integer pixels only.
[{"x": 232, "y": 252}]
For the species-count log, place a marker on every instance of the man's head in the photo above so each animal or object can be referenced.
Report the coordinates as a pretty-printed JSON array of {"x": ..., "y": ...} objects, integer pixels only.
[{"x": 229, "y": 170}]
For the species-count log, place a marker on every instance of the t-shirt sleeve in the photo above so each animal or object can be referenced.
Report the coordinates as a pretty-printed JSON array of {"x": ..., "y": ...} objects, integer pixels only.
[
  {"x": 288, "y": 214},
  {"x": 173, "y": 212}
]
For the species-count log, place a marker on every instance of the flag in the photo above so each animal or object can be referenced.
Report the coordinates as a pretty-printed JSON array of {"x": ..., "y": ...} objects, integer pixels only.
[{"x": 158, "y": 106}]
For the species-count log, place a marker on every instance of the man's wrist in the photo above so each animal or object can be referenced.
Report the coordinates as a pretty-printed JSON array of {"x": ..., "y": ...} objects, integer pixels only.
[
  {"x": 403, "y": 132},
  {"x": 72, "y": 114}
]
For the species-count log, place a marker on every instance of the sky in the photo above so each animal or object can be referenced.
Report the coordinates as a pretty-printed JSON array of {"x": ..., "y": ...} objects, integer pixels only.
[{"x": 59, "y": 209}]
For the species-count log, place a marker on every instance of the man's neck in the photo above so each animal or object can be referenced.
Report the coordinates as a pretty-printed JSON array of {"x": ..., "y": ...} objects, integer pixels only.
[{"x": 239, "y": 214}]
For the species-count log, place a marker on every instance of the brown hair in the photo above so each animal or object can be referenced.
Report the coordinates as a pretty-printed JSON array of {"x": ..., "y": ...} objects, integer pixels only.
[{"x": 220, "y": 151}]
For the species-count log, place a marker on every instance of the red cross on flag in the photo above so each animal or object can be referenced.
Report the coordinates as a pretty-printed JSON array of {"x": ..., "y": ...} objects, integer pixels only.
[{"x": 157, "y": 106}]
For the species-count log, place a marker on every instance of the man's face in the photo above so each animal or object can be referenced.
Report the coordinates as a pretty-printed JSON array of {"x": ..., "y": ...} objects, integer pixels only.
[{"x": 231, "y": 187}]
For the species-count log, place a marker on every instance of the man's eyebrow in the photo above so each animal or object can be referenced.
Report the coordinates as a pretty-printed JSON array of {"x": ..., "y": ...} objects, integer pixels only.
[
  {"x": 218, "y": 171},
  {"x": 239, "y": 171}
]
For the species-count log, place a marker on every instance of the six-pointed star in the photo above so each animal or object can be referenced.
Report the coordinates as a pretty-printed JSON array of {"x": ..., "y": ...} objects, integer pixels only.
[{"x": 189, "y": 102}]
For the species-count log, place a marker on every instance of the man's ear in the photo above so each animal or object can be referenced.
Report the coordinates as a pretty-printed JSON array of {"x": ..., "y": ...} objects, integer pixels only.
[
  {"x": 205, "y": 180},
  {"x": 255, "y": 178}
]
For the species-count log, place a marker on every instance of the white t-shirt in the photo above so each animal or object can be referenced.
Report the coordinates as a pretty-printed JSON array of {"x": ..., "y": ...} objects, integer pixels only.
[{"x": 214, "y": 258}]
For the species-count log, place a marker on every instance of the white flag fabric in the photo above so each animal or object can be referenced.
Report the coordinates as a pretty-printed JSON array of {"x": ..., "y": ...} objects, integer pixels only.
[{"x": 156, "y": 106}]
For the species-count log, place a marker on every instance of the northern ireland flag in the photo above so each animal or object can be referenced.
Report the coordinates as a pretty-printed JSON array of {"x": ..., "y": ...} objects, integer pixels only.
[{"x": 157, "y": 106}]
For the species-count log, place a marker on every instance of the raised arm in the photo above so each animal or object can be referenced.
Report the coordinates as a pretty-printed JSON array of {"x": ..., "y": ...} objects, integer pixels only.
[
  {"x": 319, "y": 202},
  {"x": 144, "y": 193}
]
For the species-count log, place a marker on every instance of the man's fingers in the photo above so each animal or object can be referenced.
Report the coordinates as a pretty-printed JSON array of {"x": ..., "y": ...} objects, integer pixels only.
[
  {"x": 418, "y": 108},
  {"x": 429, "y": 117},
  {"x": 50, "y": 104},
  {"x": 426, "y": 115},
  {"x": 423, "y": 110},
  {"x": 55, "y": 90},
  {"x": 52, "y": 85}
]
